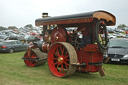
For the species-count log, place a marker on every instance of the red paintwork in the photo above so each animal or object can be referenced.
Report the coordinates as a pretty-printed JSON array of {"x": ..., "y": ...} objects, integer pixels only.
[
  {"x": 45, "y": 47},
  {"x": 90, "y": 53},
  {"x": 58, "y": 35},
  {"x": 29, "y": 62},
  {"x": 30, "y": 54},
  {"x": 58, "y": 62},
  {"x": 89, "y": 57},
  {"x": 126, "y": 32},
  {"x": 87, "y": 54}
]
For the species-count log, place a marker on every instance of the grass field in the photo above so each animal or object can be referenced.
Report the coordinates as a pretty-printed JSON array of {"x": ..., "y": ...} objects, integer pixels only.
[{"x": 13, "y": 71}]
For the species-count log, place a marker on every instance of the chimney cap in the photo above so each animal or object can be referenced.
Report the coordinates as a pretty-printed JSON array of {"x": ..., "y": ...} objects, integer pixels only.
[{"x": 45, "y": 14}]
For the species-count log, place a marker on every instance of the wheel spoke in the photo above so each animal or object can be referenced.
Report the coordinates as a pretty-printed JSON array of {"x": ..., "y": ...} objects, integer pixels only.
[
  {"x": 62, "y": 50},
  {"x": 55, "y": 58},
  {"x": 56, "y": 63},
  {"x": 66, "y": 67},
  {"x": 59, "y": 57},
  {"x": 66, "y": 56},
  {"x": 58, "y": 53},
  {"x": 66, "y": 64},
  {"x": 66, "y": 53},
  {"x": 61, "y": 68},
  {"x": 66, "y": 59}
]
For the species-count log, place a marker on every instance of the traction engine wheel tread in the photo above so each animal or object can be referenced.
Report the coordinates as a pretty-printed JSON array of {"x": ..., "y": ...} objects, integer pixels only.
[
  {"x": 42, "y": 57},
  {"x": 61, "y": 56}
]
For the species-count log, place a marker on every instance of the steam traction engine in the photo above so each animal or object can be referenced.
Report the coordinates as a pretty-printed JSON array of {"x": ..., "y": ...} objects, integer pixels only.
[{"x": 62, "y": 43}]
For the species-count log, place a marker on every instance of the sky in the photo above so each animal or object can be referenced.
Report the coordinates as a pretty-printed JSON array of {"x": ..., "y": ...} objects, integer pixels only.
[{"x": 22, "y": 12}]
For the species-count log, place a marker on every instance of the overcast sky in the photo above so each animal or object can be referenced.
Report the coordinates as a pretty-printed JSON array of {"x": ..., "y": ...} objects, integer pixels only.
[{"x": 22, "y": 12}]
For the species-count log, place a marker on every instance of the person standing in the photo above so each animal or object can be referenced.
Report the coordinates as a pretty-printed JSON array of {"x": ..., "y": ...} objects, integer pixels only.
[{"x": 86, "y": 35}]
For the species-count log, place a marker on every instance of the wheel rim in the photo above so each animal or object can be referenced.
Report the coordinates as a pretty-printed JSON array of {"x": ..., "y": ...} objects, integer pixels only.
[
  {"x": 30, "y": 63},
  {"x": 59, "y": 61},
  {"x": 11, "y": 51}
]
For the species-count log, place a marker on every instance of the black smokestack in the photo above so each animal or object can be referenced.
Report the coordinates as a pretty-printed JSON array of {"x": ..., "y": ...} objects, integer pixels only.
[{"x": 44, "y": 15}]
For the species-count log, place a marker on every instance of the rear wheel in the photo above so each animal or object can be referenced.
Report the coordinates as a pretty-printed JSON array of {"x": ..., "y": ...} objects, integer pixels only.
[
  {"x": 61, "y": 56},
  {"x": 11, "y": 50}
]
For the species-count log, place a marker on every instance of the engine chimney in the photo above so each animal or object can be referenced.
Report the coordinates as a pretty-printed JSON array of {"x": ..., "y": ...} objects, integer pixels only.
[{"x": 44, "y": 15}]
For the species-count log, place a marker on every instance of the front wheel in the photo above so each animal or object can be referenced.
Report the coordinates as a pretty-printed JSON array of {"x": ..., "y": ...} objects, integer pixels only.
[
  {"x": 61, "y": 56},
  {"x": 30, "y": 63},
  {"x": 36, "y": 58}
]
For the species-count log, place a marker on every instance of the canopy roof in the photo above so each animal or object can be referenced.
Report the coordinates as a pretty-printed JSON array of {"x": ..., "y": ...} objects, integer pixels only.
[{"x": 77, "y": 18}]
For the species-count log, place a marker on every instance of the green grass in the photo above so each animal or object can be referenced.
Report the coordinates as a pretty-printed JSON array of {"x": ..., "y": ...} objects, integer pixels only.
[{"x": 13, "y": 71}]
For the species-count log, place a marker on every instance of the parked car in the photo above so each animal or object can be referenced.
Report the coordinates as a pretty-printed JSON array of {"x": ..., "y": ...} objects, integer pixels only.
[
  {"x": 12, "y": 46},
  {"x": 126, "y": 31},
  {"x": 118, "y": 50},
  {"x": 126, "y": 36},
  {"x": 3, "y": 37},
  {"x": 119, "y": 30},
  {"x": 117, "y": 34},
  {"x": 111, "y": 36},
  {"x": 33, "y": 38},
  {"x": 111, "y": 30}
]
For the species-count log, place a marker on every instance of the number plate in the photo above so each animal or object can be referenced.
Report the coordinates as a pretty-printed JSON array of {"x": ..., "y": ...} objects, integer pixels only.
[{"x": 115, "y": 59}]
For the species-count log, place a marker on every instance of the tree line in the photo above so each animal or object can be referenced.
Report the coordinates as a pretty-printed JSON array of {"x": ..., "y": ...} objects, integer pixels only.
[
  {"x": 120, "y": 26},
  {"x": 14, "y": 27}
]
